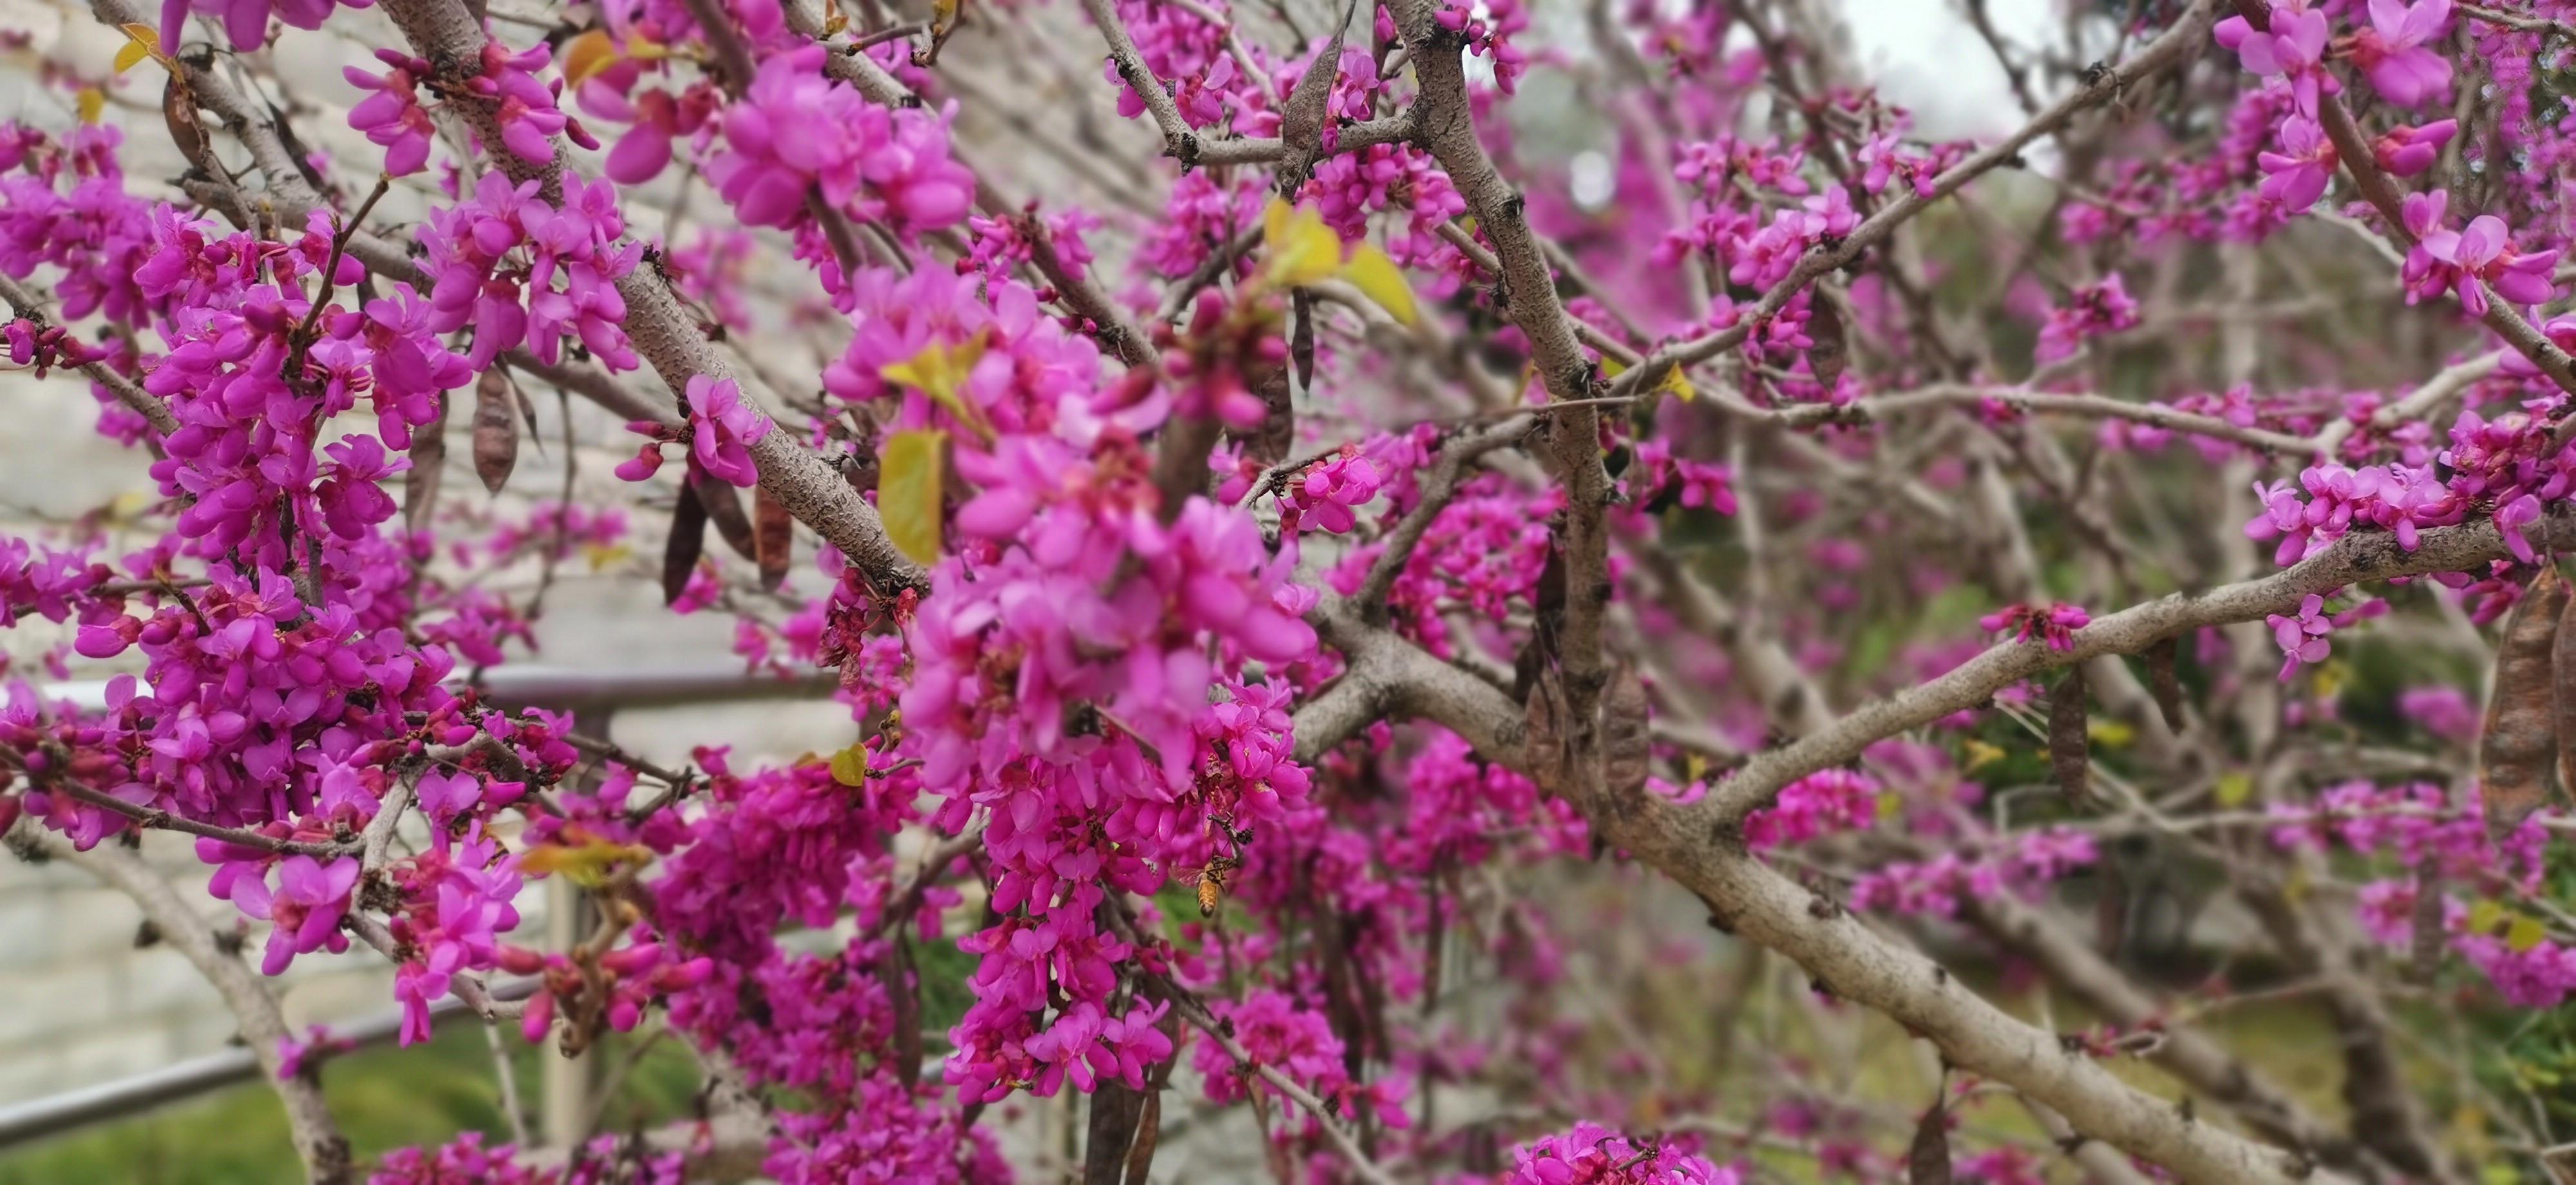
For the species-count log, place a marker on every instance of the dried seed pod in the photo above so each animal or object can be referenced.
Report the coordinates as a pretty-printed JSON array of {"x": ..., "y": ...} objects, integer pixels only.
[
  {"x": 687, "y": 542},
  {"x": 2070, "y": 748},
  {"x": 2166, "y": 686},
  {"x": 773, "y": 535},
  {"x": 1927, "y": 1159},
  {"x": 428, "y": 465},
  {"x": 496, "y": 430},
  {"x": 1627, "y": 748},
  {"x": 2521, "y": 737}
]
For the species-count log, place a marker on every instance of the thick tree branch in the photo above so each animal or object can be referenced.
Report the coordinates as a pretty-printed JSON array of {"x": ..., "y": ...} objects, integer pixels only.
[
  {"x": 1846, "y": 957},
  {"x": 1445, "y": 126},
  {"x": 144, "y": 403},
  {"x": 2357, "y": 557},
  {"x": 309, "y": 1124},
  {"x": 667, "y": 337}
]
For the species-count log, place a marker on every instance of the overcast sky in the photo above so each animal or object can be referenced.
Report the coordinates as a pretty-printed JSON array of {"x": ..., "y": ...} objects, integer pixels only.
[{"x": 1925, "y": 56}]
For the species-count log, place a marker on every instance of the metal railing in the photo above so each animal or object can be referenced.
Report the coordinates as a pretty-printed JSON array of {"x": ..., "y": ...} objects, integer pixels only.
[
  {"x": 595, "y": 696},
  {"x": 54, "y": 1115}
]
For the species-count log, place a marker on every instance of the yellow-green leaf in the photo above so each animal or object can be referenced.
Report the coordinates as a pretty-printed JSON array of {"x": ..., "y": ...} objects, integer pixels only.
[
  {"x": 2525, "y": 933},
  {"x": 1979, "y": 754},
  {"x": 2485, "y": 916},
  {"x": 1297, "y": 247},
  {"x": 2110, "y": 734},
  {"x": 587, "y": 861},
  {"x": 92, "y": 102},
  {"x": 592, "y": 53},
  {"x": 908, "y": 486},
  {"x": 2234, "y": 789},
  {"x": 141, "y": 42},
  {"x": 602, "y": 555},
  {"x": 940, "y": 371},
  {"x": 1675, "y": 384},
  {"x": 850, "y": 766},
  {"x": 1377, "y": 277},
  {"x": 943, "y": 17},
  {"x": 586, "y": 55}
]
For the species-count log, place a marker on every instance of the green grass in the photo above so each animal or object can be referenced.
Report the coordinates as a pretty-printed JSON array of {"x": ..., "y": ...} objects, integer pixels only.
[{"x": 385, "y": 1099}]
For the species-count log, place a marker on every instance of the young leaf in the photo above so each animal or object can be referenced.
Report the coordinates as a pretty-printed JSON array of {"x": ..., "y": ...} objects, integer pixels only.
[
  {"x": 91, "y": 103},
  {"x": 1675, "y": 384},
  {"x": 584, "y": 860},
  {"x": 496, "y": 430},
  {"x": 2521, "y": 740},
  {"x": 850, "y": 766},
  {"x": 1297, "y": 247},
  {"x": 773, "y": 535},
  {"x": 2524, "y": 934},
  {"x": 908, "y": 492},
  {"x": 2069, "y": 741},
  {"x": 587, "y": 55},
  {"x": 940, "y": 372},
  {"x": 592, "y": 53},
  {"x": 428, "y": 465},
  {"x": 142, "y": 41},
  {"x": 1376, "y": 276},
  {"x": 687, "y": 542}
]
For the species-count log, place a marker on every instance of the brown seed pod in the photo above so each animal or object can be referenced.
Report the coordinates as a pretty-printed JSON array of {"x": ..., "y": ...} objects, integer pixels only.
[
  {"x": 773, "y": 533},
  {"x": 2070, "y": 747},
  {"x": 496, "y": 430},
  {"x": 2521, "y": 737}
]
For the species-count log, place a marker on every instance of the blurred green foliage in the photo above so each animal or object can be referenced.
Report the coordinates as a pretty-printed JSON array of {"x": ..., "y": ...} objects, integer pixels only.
[{"x": 385, "y": 1099}]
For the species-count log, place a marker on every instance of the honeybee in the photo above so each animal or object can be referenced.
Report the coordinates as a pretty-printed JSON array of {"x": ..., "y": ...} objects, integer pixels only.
[{"x": 1210, "y": 879}]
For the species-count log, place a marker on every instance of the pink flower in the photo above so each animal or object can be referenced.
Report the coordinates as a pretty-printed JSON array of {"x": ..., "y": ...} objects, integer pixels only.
[
  {"x": 246, "y": 21},
  {"x": 392, "y": 116},
  {"x": 2089, "y": 312},
  {"x": 2392, "y": 50},
  {"x": 2484, "y": 252},
  {"x": 352, "y": 502},
  {"x": 423, "y": 982},
  {"x": 304, "y": 911},
  {"x": 2301, "y": 638},
  {"x": 2298, "y": 174},
  {"x": 2293, "y": 47},
  {"x": 2406, "y": 151},
  {"x": 723, "y": 427}
]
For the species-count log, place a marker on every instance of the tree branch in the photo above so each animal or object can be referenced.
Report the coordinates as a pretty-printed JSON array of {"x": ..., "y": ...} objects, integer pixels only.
[
  {"x": 144, "y": 403},
  {"x": 2357, "y": 557},
  {"x": 1845, "y": 956},
  {"x": 2178, "y": 44},
  {"x": 665, "y": 334},
  {"x": 309, "y": 1124}
]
